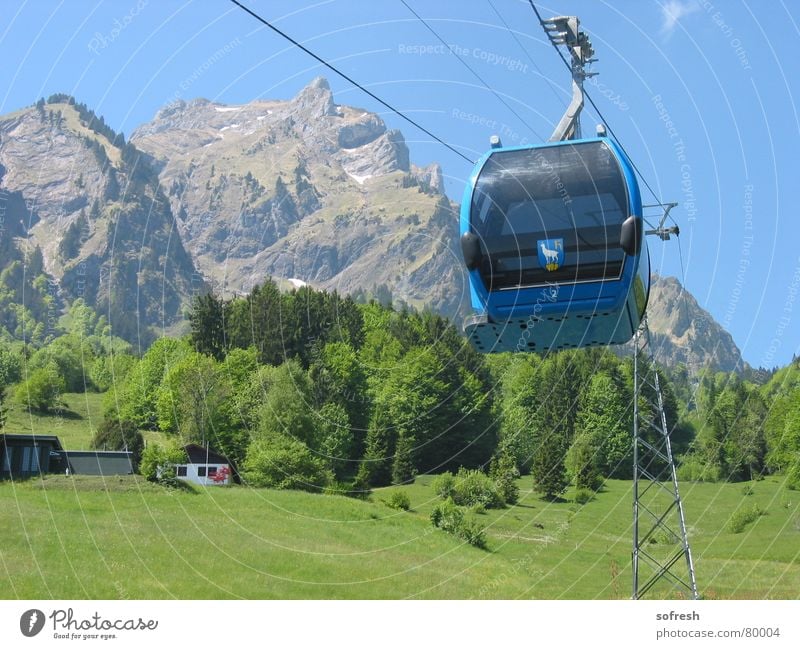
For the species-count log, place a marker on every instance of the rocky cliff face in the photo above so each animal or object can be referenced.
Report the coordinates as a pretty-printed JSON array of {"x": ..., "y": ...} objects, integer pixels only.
[
  {"x": 683, "y": 332},
  {"x": 96, "y": 210},
  {"x": 305, "y": 189}
]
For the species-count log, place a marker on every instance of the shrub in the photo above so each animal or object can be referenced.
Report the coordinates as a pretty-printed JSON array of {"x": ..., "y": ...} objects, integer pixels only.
[
  {"x": 349, "y": 489},
  {"x": 473, "y": 487},
  {"x": 664, "y": 537},
  {"x": 399, "y": 500},
  {"x": 42, "y": 390},
  {"x": 444, "y": 485},
  {"x": 450, "y": 518},
  {"x": 504, "y": 472},
  {"x": 158, "y": 463},
  {"x": 583, "y": 496},
  {"x": 693, "y": 469},
  {"x": 285, "y": 463},
  {"x": 447, "y": 516},
  {"x": 473, "y": 533},
  {"x": 747, "y": 490},
  {"x": 743, "y": 517}
]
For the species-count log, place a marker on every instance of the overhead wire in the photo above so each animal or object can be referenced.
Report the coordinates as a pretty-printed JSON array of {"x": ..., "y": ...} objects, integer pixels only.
[
  {"x": 346, "y": 77},
  {"x": 472, "y": 71},
  {"x": 525, "y": 51}
]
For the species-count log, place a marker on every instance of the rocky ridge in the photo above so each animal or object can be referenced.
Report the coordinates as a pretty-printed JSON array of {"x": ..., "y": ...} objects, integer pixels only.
[
  {"x": 305, "y": 189},
  {"x": 685, "y": 333},
  {"x": 96, "y": 210}
]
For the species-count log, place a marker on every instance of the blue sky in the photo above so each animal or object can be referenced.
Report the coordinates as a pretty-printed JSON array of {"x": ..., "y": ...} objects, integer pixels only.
[{"x": 702, "y": 94}]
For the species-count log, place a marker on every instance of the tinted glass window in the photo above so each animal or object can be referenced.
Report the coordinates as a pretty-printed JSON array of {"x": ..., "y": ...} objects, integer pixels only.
[{"x": 575, "y": 193}]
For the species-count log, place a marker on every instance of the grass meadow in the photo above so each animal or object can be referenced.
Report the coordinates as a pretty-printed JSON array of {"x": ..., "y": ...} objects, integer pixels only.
[
  {"x": 82, "y": 537},
  {"x": 74, "y": 423}
]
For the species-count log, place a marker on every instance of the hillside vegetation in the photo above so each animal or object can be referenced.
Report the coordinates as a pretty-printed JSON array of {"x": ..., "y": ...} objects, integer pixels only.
[{"x": 312, "y": 390}]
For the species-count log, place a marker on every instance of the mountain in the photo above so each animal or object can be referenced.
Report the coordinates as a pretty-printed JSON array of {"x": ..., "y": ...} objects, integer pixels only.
[
  {"x": 305, "y": 190},
  {"x": 94, "y": 207},
  {"x": 683, "y": 332}
]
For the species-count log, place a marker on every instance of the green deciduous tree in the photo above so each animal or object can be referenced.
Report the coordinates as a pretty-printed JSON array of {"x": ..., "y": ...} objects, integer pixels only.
[
  {"x": 110, "y": 370},
  {"x": 409, "y": 415},
  {"x": 784, "y": 454},
  {"x": 190, "y": 398},
  {"x": 519, "y": 408},
  {"x": 239, "y": 365},
  {"x": 10, "y": 364},
  {"x": 339, "y": 378},
  {"x": 604, "y": 430},
  {"x": 158, "y": 462},
  {"x": 137, "y": 399},
  {"x": 285, "y": 463},
  {"x": 72, "y": 358},
  {"x": 80, "y": 320},
  {"x": 42, "y": 390},
  {"x": 287, "y": 409}
]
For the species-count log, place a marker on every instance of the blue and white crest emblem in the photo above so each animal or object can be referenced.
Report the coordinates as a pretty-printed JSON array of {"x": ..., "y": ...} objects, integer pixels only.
[{"x": 551, "y": 253}]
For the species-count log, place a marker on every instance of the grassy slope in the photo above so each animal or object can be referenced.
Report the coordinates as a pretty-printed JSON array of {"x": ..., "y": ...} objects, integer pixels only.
[
  {"x": 74, "y": 540},
  {"x": 74, "y": 425}
]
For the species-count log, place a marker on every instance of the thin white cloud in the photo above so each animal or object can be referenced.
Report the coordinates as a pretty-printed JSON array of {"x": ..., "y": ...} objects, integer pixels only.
[{"x": 672, "y": 11}]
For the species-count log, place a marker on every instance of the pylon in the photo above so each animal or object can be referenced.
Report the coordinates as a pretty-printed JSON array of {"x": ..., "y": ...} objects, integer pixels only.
[{"x": 658, "y": 519}]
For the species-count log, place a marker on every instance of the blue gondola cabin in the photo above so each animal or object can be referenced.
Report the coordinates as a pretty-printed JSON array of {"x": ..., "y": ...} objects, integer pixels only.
[{"x": 552, "y": 240}]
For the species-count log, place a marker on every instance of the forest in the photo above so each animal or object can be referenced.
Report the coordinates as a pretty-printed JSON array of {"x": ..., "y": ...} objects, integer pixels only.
[{"x": 316, "y": 391}]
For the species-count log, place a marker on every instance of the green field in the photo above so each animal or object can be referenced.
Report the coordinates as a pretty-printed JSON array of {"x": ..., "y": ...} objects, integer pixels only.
[
  {"x": 74, "y": 424},
  {"x": 79, "y": 537}
]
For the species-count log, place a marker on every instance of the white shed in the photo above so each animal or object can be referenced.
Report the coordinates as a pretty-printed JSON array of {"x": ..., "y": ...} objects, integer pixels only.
[{"x": 205, "y": 467}]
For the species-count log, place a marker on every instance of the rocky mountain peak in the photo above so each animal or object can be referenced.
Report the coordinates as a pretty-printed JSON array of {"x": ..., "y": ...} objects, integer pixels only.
[
  {"x": 320, "y": 83},
  {"x": 301, "y": 190},
  {"x": 170, "y": 109},
  {"x": 684, "y": 332},
  {"x": 315, "y": 100},
  {"x": 305, "y": 189},
  {"x": 430, "y": 177},
  {"x": 63, "y": 170}
]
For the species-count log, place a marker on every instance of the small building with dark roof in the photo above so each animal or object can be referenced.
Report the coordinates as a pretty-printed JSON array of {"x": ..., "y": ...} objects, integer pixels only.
[
  {"x": 99, "y": 462},
  {"x": 205, "y": 467},
  {"x": 24, "y": 456}
]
